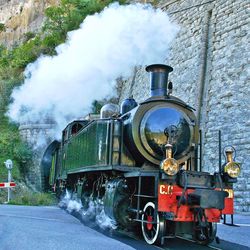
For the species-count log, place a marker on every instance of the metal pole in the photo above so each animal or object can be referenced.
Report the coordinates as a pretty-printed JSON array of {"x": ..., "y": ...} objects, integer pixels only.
[
  {"x": 9, "y": 166},
  {"x": 9, "y": 189},
  {"x": 8, "y": 199}
]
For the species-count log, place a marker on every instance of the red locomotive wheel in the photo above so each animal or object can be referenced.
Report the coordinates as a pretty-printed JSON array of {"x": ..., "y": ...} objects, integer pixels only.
[
  {"x": 152, "y": 232},
  {"x": 149, "y": 224}
]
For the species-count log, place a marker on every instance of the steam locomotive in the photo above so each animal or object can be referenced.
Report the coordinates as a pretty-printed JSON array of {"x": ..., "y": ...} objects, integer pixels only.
[{"x": 142, "y": 164}]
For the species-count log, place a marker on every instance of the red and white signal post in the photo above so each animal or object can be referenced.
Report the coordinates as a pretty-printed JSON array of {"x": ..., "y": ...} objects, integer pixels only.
[{"x": 9, "y": 184}]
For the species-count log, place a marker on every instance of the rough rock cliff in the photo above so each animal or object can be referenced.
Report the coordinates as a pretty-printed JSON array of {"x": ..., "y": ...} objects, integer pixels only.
[{"x": 20, "y": 17}]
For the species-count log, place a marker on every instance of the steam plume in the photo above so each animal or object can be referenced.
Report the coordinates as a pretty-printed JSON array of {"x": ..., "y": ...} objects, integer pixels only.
[
  {"x": 94, "y": 210},
  {"x": 106, "y": 46}
]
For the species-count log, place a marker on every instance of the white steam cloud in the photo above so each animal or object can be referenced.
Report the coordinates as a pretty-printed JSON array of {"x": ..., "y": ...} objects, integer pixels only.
[
  {"x": 106, "y": 46},
  {"x": 92, "y": 211}
]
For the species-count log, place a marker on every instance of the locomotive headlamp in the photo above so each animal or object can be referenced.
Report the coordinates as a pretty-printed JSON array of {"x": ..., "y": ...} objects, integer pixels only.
[
  {"x": 232, "y": 168},
  {"x": 170, "y": 166}
]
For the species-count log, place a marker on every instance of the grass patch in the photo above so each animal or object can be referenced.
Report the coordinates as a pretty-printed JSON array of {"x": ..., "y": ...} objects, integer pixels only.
[{"x": 35, "y": 199}]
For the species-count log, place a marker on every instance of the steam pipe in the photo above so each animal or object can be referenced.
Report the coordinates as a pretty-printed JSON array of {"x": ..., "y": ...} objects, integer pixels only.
[
  {"x": 200, "y": 132},
  {"x": 220, "y": 164},
  {"x": 204, "y": 64},
  {"x": 158, "y": 78}
]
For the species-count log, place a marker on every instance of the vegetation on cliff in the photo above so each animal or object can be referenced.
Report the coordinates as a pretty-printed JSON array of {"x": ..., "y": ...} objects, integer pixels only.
[{"x": 59, "y": 20}]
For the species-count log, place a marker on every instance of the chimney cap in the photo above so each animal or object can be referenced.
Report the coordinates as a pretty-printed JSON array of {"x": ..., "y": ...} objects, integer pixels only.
[{"x": 159, "y": 68}]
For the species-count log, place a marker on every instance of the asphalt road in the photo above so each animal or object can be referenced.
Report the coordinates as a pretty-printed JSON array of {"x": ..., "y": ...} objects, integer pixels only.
[{"x": 52, "y": 228}]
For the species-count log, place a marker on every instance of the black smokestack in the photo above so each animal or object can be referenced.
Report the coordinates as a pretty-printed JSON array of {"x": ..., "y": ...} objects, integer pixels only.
[{"x": 159, "y": 78}]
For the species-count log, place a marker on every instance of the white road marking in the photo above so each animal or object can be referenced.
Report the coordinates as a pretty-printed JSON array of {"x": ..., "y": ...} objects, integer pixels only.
[
  {"x": 30, "y": 217},
  {"x": 242, "y": 225}
]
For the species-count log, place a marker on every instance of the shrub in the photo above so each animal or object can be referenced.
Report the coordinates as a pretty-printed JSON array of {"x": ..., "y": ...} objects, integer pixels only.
[{"x": 34, "y": 199}]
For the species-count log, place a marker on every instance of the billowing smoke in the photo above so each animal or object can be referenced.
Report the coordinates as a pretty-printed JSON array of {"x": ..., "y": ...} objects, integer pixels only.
[
  {"x": 92, "y": 211},
  {"x": 106, "y": 46},
  {"x": 69, "y": 203}
]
